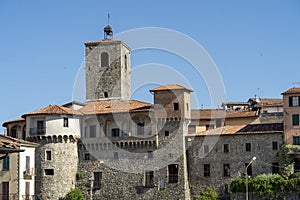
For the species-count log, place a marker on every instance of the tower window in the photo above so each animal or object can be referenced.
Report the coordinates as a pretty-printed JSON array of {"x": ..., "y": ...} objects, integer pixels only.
[
  {"x": 104, "y": 59},
  {"x": 149, "y": 178},
  {"x": 115, "y": 132},
  {"x": 140, "y": 128},
  {"x": 49, "y": 172},
  {"x": 105, "y": 94},
  {"x": 125, "y": 62},
  {"x": 66, "y": 122},
  {"x": 176, "y": 106},
  {"x": 167, "y": 133},
  {"x": 92, "y": 131},
  {"x": 116, "y": 155},
  {"x": 48, "y": 155}
]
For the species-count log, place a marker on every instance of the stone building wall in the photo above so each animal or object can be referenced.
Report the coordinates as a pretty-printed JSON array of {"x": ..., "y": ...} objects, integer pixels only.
[
  {"x": 261, "y": 148},
  {"x": 110, "y": 79},
  {"x": 64, "y": 162}
]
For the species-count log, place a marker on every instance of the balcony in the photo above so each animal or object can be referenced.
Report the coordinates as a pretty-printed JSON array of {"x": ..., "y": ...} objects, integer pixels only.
[
  {"x": 37, "y": 131},
  {"x": 28, "y": 174}
]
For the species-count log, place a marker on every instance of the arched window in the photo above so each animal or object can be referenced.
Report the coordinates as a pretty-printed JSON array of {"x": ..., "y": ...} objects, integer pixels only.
[
  {"x": 104, "y": 59},
  {"x": 125, "y": 60}
]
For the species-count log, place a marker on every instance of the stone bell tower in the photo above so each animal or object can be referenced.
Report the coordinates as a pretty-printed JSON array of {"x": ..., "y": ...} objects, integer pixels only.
[{"x": 107, "y": 68}]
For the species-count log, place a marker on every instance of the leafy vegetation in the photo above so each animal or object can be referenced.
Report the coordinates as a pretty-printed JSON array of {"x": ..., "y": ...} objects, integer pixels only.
[
  {"x": 207, "y": 194},
  {"x": 270, "y": 185},
  {"x": 74, "y": 194},
  {"x": 286, "y": 161}
]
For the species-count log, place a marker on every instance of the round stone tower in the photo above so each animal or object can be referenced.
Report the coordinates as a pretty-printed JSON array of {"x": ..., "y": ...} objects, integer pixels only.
[{"x": 56, "y": 129}]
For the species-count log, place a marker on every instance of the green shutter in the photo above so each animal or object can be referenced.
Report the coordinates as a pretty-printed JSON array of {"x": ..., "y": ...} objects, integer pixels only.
[
  {"x": 5, "y": 163},
  {"x": 290, "y": 101},
  {"x": 295, "y": 120}
]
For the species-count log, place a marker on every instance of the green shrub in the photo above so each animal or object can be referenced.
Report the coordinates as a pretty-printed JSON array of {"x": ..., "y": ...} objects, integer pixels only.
[
  {"x": 74, "y": 194},
  {"x": 266, "y": 185},
  {"x": 207, "y": 194}
]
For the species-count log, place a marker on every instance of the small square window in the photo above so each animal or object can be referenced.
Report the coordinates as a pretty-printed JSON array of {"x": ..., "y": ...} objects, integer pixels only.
[
  {"x": 150, "y": 154},
  {"x": 226, "y": 169},
  {"x": 275, "y": 145},
  {"x": 206, "y": 148},
  {"x": 167, "y": 133},
  {"x": 249, "y": 169},
  {"x": 176, "y": 106},
  {"x": 226, "y": 148},
  {"x": 296, "y": 140},
  {"x": 97, "y": 180},
  {"x": 48, "y": 155},
  {"x": 49, "y": 172},
  {"x": 116, "y": 155},
  {"x": 149, "y": 179},
  {"x": 115, "y": 132},
  {"x": 86, "y": 156},
  {"x": 248, "y": 147},
  {"x": 206, "y": 168},
  {"x": 275, "y": 168},
  {"x": 105, "y": 94}
]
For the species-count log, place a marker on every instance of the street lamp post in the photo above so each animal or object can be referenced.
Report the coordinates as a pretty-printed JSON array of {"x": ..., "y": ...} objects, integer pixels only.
[{"x": 254, "y": 158}]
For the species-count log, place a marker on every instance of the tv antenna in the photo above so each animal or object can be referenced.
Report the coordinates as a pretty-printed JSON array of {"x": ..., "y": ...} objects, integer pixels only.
[{"x": 296, "y": 83}]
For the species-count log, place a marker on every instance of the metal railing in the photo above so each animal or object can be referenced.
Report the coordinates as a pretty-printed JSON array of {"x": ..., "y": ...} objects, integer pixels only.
[{"x": 37, "y": 131}]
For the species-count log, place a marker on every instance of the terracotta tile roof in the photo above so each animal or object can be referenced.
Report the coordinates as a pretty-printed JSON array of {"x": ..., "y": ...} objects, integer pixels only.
[
  {"x": 170, "y": 87},
  {"x": 103, "y": 41},
  {"x": 10, "y": 142},
  {"x": 114, "y": 106},
  {"x": 53, "y": 110},
  {"x": 13, "y": 121},
  {"x": 218, "y": 113},
  {"x": 293, "y": 90},
  {"x": 244, "y": 129},
  {"x": 270, "y": 102}
]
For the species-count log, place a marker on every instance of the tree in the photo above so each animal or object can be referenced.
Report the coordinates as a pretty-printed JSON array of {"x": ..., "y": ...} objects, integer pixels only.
[{"x": 74, "y": 194}]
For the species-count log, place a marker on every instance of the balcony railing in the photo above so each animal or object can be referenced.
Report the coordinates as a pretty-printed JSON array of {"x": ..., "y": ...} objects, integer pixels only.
[
  {"x": 27, "y": 174},
  {"x": 37, "y": 131}
]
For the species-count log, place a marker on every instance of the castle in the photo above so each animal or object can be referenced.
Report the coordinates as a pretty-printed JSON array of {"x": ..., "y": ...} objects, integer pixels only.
[{"x": 113, "y": 147}]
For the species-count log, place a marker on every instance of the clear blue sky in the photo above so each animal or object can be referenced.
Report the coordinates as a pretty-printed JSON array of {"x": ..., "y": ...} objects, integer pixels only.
[{"x": 255, "y": 44}]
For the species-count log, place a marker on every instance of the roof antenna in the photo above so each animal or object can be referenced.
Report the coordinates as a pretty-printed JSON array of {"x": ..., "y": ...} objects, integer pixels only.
[
  {"x": 108, "y": 17},
  {"x": 296, "y": 83}
]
